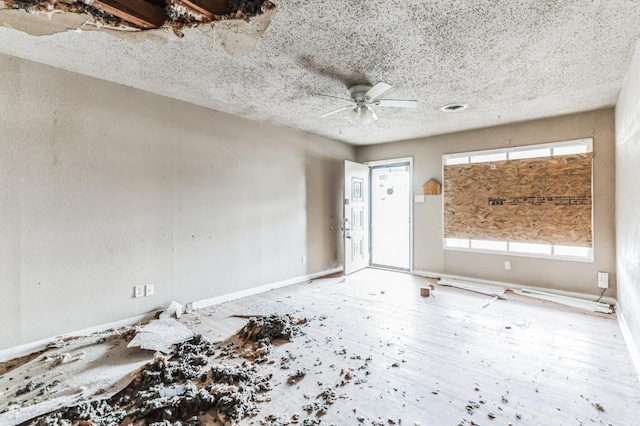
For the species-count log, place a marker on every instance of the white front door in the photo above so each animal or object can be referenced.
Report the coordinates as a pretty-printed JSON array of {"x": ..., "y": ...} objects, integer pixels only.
[
  {"x": 390, "y": 216},
  {"x": 356, "y": 216}
]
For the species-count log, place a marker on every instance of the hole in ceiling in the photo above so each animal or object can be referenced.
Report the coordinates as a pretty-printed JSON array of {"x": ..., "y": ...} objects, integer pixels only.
[
  {"x": 174, "y": 15},
  {"x": 454, "y": 107}
]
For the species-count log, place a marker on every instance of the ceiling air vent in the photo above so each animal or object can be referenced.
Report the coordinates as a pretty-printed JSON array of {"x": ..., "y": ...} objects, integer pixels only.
[{"x": 454, "y": 107}]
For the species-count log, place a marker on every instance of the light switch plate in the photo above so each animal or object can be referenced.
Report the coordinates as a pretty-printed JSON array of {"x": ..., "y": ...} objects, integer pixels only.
[
  {"x": 149, "y": 290},
  {"x": 418, "y": 198}
]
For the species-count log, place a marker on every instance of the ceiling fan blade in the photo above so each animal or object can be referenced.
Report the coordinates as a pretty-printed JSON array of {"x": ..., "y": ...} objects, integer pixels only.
[
  {"x": 333, "y": 97},
  {"x": 396, "y": 103},
  {"x": 336, "y": 111},
  {"x": 376, "y": 91}
]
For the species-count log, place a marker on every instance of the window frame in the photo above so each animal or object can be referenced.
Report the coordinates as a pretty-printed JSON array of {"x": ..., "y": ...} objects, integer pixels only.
[{"x": 458, "y": 159}]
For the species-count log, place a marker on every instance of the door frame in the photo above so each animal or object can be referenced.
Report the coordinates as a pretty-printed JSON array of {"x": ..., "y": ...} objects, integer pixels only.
[{"x": 391, "y": 162}]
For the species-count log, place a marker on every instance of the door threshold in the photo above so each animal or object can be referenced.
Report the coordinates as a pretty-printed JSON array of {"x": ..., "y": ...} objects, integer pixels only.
[{"x": 390, "y": 268}]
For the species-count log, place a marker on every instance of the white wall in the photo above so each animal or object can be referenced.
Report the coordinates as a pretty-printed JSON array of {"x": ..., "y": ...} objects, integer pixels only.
[
  {"x": 628, "y": 198},
  {"x": 103, "y": 187},
  {"x": 429, "y": 254}
]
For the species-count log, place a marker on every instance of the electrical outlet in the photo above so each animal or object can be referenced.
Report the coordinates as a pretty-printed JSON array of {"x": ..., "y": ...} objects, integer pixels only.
[
  {"x": 138, "y": 291},
  {"x": 149, "y": 289},
  {"x": 507, "y": 265},
  {"x": 603, "y": 279},
  {"x": 304, "y": 259}
]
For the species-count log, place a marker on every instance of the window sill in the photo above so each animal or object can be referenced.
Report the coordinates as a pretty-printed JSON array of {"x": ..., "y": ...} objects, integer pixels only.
[{"x": 530, "y": 255}]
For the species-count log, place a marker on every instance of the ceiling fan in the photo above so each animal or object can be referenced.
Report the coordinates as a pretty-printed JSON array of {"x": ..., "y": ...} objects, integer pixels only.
[{"x": 364, "y": 97}]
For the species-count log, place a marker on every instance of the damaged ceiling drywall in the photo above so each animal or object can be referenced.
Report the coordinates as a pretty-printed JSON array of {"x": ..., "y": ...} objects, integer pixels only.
[
  {"x": 509, "y": 61},
  {"x": 142, "y": 20}
]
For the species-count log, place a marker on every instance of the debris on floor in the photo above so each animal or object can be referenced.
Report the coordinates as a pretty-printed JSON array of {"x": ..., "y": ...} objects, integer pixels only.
[
  {"x": 174, "y": 309},
  {"x": 195, "y": 379},
  {"x": 296, "y": 376},
  {"x": 267, "y": 309},
  {"x": 426, "y": 291},
  {"x": 566, "y": 300},
  {"x": 258, "y": 335},
  {"x": 490, "y": 301},
  {"x": 75, "y": 369},
  {"x": 498, "y": 292},
  {"x": 232, "y": 381},
  {"x": 272, "y": 327},
  {"x": 160, "y": 335},
  {"x": 177, "y": 389}
]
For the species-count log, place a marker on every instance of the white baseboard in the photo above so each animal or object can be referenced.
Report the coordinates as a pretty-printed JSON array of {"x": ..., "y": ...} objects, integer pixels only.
[
  {"x": 28, "y": 348},
  {"x": 583, "y": 296},
  {"x": 261, "y": 289},
  {"x": 631, "y": 344}
]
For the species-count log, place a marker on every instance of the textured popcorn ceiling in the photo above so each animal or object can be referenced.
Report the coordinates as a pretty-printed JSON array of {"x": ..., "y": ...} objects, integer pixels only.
[{"x": 509, "y": 60}]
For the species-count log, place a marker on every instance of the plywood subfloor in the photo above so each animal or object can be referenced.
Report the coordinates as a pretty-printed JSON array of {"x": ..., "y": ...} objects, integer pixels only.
[{"x": 433, "y": 360}]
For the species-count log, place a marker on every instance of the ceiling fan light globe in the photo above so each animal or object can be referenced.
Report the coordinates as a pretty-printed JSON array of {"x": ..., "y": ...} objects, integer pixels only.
[
  {"x": 355, "y": 115},
  {"x": 368, "y": 115}
]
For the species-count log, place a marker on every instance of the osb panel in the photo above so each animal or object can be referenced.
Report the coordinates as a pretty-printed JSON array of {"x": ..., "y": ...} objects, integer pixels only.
[{"x": 538, "y": 200}]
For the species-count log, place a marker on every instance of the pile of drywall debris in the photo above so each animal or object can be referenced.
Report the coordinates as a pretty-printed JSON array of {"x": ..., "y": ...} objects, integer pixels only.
[
  {"x": 260, "y": 332},
  {"x": 272, "y": 327},
  {"x": 178, "y": 389}
]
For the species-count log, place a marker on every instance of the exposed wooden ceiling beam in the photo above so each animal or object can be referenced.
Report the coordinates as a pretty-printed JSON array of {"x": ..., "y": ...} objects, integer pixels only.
[
  {"x": 139, "y": 12},
  {"x": 208, "y": 8}
]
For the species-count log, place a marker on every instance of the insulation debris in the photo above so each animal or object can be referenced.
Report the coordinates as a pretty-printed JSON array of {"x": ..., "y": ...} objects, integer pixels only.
[
  {"x": 262, "y": 331},
  {"x": 189, "y": 384},
  {"x": 272, "y": 327},
  {"x": 275, "y": 420},
  {"x": 323, "y": 401},
  {"x": 258, "y": 352},
  {"x": 296, "y": 376},
  {"x": 51, "y": 7},
  {"x": 176, "y": 390}
]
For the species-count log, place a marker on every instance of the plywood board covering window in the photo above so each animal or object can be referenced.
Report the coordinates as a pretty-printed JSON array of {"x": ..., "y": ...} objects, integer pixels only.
[{"x": 534, "y": 200}]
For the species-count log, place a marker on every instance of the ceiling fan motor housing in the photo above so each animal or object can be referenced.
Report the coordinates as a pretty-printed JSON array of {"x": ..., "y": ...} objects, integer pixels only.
[{"x": 358, "y": 92}]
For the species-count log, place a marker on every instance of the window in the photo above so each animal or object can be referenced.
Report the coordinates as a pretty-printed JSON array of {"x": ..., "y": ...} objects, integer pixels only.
[
  {"x": 525, "y": 244},
  {"x": 579, "y": 146},
  {"x": 486, "y": 158}
]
